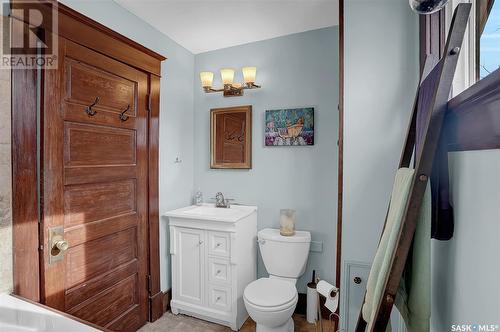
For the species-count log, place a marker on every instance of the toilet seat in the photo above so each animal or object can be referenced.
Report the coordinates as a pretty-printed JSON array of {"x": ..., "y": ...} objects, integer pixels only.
[{"x": 268, "y": 294}]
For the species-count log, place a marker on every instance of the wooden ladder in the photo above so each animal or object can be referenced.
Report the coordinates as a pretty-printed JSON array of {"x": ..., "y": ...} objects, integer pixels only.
[{"x": 431, "y": 99}]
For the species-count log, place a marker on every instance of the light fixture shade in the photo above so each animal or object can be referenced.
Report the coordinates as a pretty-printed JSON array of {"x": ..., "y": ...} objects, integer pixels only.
[
  {"x": 227, "y": 76},
  {"x": 249, "y": 74},
  {"x": 206, "y": 77},
  {"x": 427, "y": 7}
]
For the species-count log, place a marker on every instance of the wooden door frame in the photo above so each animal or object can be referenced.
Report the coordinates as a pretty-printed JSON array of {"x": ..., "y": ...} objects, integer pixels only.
[
  {"x": 26, "y": 245},
  {"x": 340, "y": 175}
]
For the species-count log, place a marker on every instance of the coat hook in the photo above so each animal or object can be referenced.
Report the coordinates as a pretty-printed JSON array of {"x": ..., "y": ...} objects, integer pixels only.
[
  {"x": 124, "y": 117},
  {"x": 89, "y": 109}
]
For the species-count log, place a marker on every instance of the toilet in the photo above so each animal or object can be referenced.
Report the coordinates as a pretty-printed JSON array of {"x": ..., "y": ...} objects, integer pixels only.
[{"x": 271, "y": 301}]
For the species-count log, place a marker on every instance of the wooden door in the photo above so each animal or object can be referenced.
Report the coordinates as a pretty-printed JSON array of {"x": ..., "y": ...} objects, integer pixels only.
[
  {"x": 189, "y": 265},
  {"x": 94, "y": 185}
]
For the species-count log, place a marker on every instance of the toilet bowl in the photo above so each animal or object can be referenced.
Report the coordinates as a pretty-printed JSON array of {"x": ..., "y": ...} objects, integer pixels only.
[{"x": 270, "y": 302}]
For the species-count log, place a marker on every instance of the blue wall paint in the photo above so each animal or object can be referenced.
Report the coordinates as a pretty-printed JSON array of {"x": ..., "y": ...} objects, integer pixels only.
[
  {"x": 176, "y": 109},
  {"x": 465, "y": 269},
  {"x": 303, "y": 178},
  {"x": 381, "y": 76},
  {"x": 295, "y": 71}
]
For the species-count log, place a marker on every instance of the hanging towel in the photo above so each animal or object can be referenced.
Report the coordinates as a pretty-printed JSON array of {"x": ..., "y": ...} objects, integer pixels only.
[
  {"x": 382, "y": 260},
  {"x": 413, "y": 299},
  {"x": 413, "y": 303}
]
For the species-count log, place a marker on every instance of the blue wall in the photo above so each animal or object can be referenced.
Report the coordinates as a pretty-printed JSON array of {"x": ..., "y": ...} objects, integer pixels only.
[
  {"x": 380, "y": 78},
  {"x": 176, "y": 109},
  {"x": 465, "y": 269},
  {"x": 295, "y": 71}
]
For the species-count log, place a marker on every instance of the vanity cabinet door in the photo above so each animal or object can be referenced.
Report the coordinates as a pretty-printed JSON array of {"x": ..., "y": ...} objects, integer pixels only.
[{"x": 189, "y": 264}]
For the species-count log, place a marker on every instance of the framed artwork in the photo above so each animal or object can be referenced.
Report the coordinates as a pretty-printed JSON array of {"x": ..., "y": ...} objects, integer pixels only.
[
  {"x": 290, "y": 127},
  {"x": 231, "y": 137}
]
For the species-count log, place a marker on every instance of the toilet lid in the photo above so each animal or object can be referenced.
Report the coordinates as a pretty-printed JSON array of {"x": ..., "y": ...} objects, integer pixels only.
[{"x": 267, "y": 292}]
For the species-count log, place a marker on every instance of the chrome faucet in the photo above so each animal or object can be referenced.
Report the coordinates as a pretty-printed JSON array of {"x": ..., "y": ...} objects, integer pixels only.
[{"x": 221, "y": 202}]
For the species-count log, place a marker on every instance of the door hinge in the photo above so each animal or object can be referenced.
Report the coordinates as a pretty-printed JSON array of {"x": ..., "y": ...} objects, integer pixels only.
[
  {"x": 149, "y": 283},
  {"x": 149, "y": 103},
  {"x": 40, "y": 247}
]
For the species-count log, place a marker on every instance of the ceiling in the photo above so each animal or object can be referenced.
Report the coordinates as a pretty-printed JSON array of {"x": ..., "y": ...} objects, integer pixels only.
[{"x": 206, "y": 25}]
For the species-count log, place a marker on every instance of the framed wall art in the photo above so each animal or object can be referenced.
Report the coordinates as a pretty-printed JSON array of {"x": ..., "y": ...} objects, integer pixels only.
[
  {"x": 231, "y": 137},
  {"x": 289, "y": 127}
]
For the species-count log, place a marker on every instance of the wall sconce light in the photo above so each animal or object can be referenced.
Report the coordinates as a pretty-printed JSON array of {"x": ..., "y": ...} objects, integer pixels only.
[{"x": 230, "y": 88}]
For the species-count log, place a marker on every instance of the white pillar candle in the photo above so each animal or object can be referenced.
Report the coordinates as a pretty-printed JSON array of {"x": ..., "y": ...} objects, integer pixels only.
[{"x": 287, "y": 222}]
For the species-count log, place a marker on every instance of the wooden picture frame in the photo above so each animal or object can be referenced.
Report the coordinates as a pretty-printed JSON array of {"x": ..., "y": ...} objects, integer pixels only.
[{"x": 231, "y": 137}]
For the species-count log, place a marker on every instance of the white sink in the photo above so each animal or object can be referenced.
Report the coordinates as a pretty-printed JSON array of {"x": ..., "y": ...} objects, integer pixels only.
[{"x": 210, "y": 212}]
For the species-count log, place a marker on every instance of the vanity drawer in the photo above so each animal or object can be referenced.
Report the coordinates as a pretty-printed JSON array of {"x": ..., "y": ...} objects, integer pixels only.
[
  {"x": 219, "y": 297},
  {"x": 219, "y": 270},
  {"x": 219, "y": 244}
]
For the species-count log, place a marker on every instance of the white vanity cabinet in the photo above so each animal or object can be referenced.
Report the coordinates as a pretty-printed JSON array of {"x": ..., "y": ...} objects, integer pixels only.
[{"x": 214, "y": 257}]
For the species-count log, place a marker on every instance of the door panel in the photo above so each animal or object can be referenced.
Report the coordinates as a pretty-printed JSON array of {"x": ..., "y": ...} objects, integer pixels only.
[
  {"x": 96, "y": 201},
  {"x": 76, "y": 113},
  {"x": 105, "y": 306},
  {"x": 96, "y": 174},
  {"x": 95, "y": 187},
  {"x": 190, "y": 255},
  {"x": 82, "y": 292},
  {"x": 84, "y": 233},
  {"x": 88, "y": 145},
  {"x": 85, "y": 82},
  {"x": 126, "y": 320},
  {"x": 113, "y": 82},
  {"x": 231, "y": 137},
  {"x": 86, "y": 260}
]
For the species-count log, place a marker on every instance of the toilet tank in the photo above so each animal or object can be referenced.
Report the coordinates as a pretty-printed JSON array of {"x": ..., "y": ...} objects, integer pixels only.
[{"x": 284, "y": 256}]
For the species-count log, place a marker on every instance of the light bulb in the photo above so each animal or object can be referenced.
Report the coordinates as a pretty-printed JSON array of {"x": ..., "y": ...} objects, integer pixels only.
[
  {"x": 249, "y": 74},
  {"x": 227, "y": 76},
  {"x": 206, "y": 78}
]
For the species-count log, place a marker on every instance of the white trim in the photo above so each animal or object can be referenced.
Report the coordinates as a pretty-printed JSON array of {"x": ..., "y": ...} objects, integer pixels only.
[
  {"x": 465, "y": 75},
  {"x": 344, "y": 304},
  {"x": 399, "y": 326}
]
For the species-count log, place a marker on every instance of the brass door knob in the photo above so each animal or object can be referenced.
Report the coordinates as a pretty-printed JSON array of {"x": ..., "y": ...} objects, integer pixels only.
[{"x": 62, "y": 245}]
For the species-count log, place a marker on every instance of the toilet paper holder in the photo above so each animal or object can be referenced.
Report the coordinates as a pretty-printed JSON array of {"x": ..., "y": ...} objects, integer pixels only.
[
  {"x": 331, "y": 293},
  {"x": 333, "y": 290}
]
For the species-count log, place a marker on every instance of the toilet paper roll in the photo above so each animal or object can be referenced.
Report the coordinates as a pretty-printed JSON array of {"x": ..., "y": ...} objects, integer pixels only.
[{"x": 331, "y": 293}]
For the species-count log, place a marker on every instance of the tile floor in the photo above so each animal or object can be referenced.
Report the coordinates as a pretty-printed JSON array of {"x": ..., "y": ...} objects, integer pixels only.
[{"x": 182, "y": 323}]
